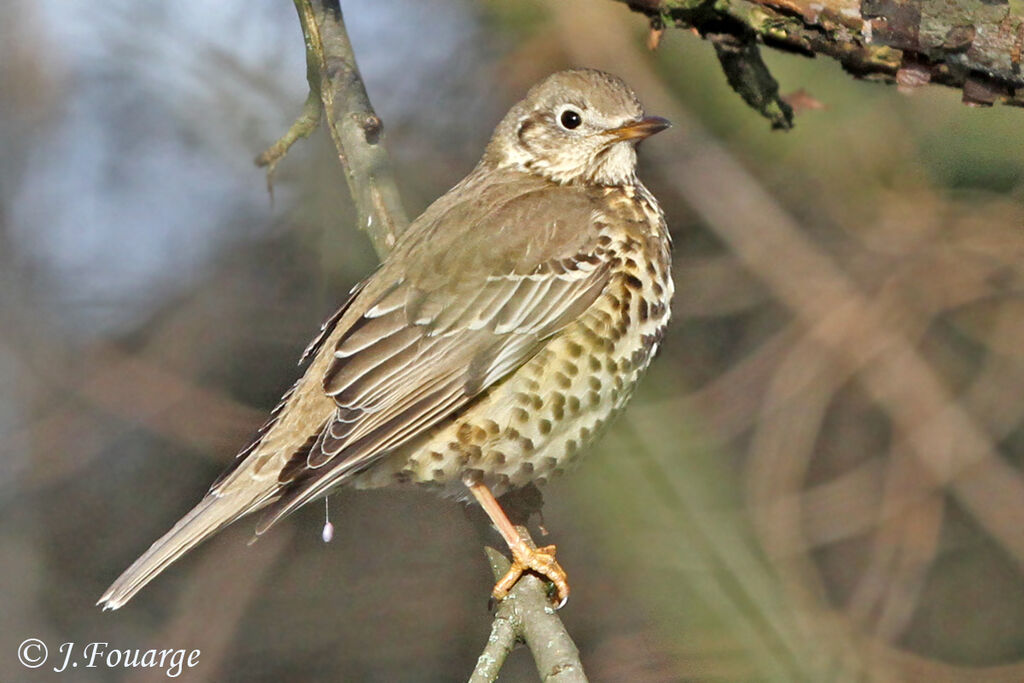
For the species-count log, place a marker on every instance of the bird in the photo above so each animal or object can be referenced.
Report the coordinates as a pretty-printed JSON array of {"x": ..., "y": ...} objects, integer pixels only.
[{"x": 505, "y": 329}]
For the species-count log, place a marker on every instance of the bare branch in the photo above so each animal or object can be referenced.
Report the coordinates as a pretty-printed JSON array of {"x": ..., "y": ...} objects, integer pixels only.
[
  {"x": 335, "y": 87},
  {"x": 504, "y": 631},
  {"x": 527, "y": 615}
]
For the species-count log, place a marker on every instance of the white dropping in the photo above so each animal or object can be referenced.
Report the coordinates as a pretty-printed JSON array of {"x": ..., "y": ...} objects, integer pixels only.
[{"x": 328, "y": 533}]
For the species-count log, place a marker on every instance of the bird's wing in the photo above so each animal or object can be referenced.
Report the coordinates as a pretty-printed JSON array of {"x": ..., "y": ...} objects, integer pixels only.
[{"x": 467, "y": 308}]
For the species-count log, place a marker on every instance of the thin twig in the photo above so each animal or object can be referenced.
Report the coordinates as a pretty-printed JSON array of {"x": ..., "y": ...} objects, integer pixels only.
[
  {"x": 303, "y": 127},
  {"x": 312, "y": 108},
  {"x": 335, "y": 87}
]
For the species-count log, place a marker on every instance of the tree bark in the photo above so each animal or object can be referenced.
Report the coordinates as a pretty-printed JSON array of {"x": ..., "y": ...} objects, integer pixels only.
[{"x": 972, "y": 45}]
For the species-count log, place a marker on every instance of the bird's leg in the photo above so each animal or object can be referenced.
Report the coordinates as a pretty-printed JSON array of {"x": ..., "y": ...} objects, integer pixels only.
[{"x": 525, "y": 555}]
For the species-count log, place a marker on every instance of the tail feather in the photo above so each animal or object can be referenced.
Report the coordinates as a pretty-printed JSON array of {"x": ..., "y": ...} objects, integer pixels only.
[{"x": 212, "y": 514}]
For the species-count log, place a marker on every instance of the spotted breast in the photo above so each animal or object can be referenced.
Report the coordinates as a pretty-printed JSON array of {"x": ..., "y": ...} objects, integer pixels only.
[{"x": 537, "y": 423}]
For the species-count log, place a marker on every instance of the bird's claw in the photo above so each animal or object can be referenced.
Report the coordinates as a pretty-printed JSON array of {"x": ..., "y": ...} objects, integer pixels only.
[{"x": 539, "y": 560}]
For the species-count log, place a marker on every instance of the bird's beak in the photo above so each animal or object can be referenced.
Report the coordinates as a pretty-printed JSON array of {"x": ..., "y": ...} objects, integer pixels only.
[{"x": 640, "y": 129}]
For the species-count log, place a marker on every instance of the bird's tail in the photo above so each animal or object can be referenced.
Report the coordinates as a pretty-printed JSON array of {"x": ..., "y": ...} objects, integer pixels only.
[{"x": 212, "y": 514}]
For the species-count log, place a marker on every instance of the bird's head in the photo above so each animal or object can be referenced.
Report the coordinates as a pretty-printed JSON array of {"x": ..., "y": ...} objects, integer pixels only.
[{"x": 580, "y": 125}]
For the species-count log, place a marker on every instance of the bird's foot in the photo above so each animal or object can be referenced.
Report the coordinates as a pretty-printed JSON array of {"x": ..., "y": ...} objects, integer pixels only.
[{"x": 539, "y": 560}]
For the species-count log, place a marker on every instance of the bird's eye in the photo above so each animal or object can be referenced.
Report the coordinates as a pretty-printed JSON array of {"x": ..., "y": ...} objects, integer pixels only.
[{"x": 570, "y": 119}]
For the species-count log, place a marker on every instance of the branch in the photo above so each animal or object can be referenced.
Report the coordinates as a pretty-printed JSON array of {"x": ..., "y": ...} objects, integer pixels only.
[
  {"x": 335, "y": 87},
  {"x": 973, "y": 46},
  {"x": 505, "y": 631},
  {"x": 527, "y": 615}
]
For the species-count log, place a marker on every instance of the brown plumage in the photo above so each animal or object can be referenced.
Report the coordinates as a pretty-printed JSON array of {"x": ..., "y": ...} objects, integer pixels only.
[{"x": 509, "y": 323}]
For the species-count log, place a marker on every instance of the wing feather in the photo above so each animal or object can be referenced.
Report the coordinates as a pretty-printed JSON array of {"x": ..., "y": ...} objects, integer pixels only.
[
  {"x": 350, "y": 377},
  {"x": 519, "y": 305},
  {"x": 426, "y": 345}
]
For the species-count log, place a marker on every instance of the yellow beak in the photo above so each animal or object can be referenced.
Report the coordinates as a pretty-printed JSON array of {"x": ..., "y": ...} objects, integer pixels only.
[{"x": 641, "y": 128}]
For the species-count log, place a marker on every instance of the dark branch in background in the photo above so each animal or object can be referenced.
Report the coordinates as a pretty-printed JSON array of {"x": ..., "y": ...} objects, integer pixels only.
[
  {"x": 335, "y": 87},
  {"x": 973, "y": 46},
  {"x": 749, "y": 76}
]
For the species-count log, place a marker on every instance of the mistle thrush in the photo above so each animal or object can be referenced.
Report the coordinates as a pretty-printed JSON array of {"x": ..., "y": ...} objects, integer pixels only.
[{"x": 508, "y": 325}]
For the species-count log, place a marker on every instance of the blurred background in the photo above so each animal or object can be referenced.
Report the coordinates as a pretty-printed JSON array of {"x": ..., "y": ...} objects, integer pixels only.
[{"x": 820, "y": 479}]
